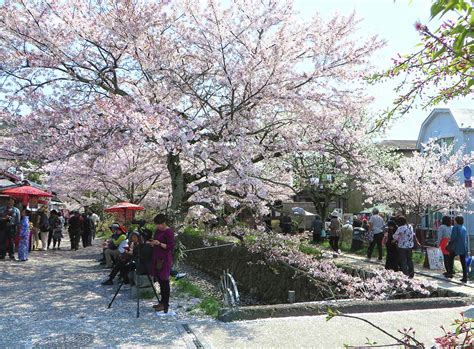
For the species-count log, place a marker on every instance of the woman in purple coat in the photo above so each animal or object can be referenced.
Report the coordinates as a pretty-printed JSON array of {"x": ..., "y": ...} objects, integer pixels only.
[{"x": 163, "y": 244}]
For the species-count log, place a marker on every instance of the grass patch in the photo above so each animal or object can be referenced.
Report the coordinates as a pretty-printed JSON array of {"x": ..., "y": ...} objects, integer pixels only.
[
  {"x": 187, "y": 287},
  {"x": 218, "y": 238},
  {"x": 192, "y": 231},
  {"x": 210, "y": 306},
  {"x": 311, "y": 250}
]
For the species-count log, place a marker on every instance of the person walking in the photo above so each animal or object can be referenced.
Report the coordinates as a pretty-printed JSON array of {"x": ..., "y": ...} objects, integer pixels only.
[
  {"x": 404, "y": 237},
  {"x": 163, "y": 245},
  {"x": 444, "y": 234},
  {"x": 75, "y": 230},
  {"x": 334, "y": 231},
  {"x": 95, "y": 219},
  {"x": 391, "y": 260},
  {"x": 53, "y": 223},
  {"x": 357, "y": 242},
  {"x": 376, "y": 224},
  {"x": 58, "y": 231},
  {"x": 87, "y": 231},
  {"x": 459, "y": 242},
  {"x": 23, "y": 246},
  {"x": 317, "y": 228},
  {"x": 44, "y": 228}
]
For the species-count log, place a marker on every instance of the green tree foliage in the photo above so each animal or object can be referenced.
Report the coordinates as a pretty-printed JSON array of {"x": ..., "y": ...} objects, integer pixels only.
[{"x": 442, "y": 67}]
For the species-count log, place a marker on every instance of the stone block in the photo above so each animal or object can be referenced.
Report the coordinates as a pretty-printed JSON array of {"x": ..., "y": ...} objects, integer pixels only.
[{"x": 146, "y": 287}]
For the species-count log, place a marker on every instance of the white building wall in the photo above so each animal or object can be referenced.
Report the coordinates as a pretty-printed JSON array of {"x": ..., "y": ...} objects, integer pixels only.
[{"x": 443, "y": 125}]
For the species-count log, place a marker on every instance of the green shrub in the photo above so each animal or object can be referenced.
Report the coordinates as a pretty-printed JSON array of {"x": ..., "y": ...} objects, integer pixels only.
[
  {"x": 250, "y": 238},
  {"x": 210, "y": 306},
  {"x": 193, "y": 231},
  {"x": 418, "y": 257}
]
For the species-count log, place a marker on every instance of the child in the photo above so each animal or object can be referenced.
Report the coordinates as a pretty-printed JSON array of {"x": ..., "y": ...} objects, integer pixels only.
[{"x": 24, "y": 236}]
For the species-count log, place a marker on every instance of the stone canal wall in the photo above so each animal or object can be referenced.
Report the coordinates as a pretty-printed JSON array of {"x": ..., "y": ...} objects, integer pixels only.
[{"x": 269, "y": 283}]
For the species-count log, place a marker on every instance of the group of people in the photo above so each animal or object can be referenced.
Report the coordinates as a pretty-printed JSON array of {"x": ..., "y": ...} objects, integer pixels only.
[
  {"x": 48, "y": 229},
  {"x": 82, "y": 227},
  {"x": 399, "y": 239},
  {"x": 14, "y": 223},
  {"x": 142, "y": 253},
  {"x": 28, "y": 230},
  {"x": 51, "y": 229},
  {"x": 453, "y": 241},
  {"x": 332, "y": 227}
]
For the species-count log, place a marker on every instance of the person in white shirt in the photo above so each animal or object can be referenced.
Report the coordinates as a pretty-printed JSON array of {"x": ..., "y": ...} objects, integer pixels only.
[
  {"x": 376, "y": 224},
  {"x": 405, "y": 239},
  {"x": 95, "y": 219}
]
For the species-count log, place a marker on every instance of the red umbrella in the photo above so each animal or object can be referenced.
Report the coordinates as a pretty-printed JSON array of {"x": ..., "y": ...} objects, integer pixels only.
[
  {"x": 124, "y": 206},
  {"x": 126, "y": 209},
  {"x": 25, "y": 192}
]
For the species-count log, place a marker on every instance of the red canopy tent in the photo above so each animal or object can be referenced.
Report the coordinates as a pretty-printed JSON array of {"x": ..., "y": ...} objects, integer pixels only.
[
  {"x": 25, "y": 192},
  {"x": 125, "y": 209}
]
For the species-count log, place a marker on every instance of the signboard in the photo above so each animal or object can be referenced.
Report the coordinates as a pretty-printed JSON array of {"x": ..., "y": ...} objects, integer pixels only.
[
  {"x": 467, "y": 177},
  {"x": 467, "y": 172},
  {"x": 435, "y": 258}
]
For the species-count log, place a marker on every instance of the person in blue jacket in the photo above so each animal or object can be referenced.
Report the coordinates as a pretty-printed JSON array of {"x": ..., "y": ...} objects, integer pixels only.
[{"x": 460, "y": 243}]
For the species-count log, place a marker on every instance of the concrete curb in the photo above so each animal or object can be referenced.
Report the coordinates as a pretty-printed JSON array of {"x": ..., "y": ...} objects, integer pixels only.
[{"x": 350, "y": 306}]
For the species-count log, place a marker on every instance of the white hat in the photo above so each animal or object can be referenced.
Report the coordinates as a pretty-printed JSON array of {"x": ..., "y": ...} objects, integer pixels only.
[{"x": 335, "y": 214}]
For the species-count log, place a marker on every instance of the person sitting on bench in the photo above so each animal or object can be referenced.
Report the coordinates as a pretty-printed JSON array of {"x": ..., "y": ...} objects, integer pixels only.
[
  {"x": 124, "y": 262},
  {"x": 116, "y": 245}
]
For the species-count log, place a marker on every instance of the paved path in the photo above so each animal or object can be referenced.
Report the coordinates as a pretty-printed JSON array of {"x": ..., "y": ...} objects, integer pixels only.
[
  {"x": 316, "y": 332},
  {"x": 56, "y": 300},
  {"x": 434, "y": 276}
]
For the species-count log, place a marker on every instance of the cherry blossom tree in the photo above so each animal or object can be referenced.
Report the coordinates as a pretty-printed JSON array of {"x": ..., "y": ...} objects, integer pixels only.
[
  {"x": 216, "y": 89},
  {"x": 429, "y": 180},
  {"x": 132, "y": 174}
]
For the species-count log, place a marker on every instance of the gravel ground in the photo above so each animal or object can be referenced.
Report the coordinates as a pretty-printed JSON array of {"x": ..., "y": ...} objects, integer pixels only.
[{"x": 56, "y": 299}]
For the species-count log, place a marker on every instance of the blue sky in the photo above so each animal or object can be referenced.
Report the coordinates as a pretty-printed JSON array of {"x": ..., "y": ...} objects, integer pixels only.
[{"x": 394, "y": 22}]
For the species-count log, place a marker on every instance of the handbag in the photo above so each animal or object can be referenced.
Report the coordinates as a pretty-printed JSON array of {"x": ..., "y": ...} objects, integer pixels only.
[{"x": 450, "y": 246}]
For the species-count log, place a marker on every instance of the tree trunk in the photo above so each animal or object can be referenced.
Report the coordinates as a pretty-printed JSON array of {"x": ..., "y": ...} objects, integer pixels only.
[
  {"x": 321, "y": 209},
  {"x": 178, "y": 186},
  {"x": 324, "y": 211}
]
